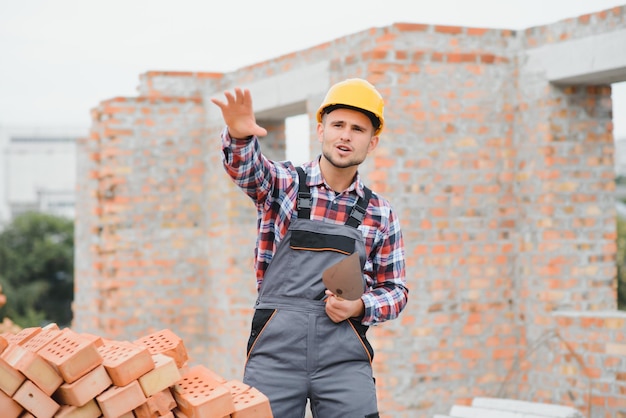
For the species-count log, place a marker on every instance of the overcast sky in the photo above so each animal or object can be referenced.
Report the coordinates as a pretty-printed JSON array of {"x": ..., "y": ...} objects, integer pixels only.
[{"x": 59, "y": 59}]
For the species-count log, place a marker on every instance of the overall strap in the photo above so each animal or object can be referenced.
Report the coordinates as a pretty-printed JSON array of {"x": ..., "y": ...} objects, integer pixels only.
[
  {"x": 359, "y": 209},
  {"x": 305, "y": 202},
  {"x": 304, "y": 196}
]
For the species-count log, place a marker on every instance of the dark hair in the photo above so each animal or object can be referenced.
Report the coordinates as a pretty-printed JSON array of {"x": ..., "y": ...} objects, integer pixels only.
[{"x": 370, "y": 115}]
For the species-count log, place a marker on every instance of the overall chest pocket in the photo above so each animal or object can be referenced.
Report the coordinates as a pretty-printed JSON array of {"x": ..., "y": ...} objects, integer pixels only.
[{"x": 316, "y": 241}]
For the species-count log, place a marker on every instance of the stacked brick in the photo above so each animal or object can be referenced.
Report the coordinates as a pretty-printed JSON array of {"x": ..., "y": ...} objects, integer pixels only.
[{"x": 58, "y": 373}]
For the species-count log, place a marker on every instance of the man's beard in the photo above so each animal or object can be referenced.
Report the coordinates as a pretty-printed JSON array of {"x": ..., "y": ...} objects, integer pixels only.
[{"x": 351, "y": 162}]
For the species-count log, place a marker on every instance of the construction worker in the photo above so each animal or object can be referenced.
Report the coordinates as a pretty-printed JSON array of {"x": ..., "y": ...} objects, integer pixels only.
[{"x": 306, "y": 342}]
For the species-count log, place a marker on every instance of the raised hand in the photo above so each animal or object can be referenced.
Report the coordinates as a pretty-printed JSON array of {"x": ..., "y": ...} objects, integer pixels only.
[{"x": 238, "y": 114}]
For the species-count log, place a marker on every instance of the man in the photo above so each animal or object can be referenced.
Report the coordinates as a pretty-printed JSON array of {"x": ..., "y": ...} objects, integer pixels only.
[{"x": 305, "y": 341}]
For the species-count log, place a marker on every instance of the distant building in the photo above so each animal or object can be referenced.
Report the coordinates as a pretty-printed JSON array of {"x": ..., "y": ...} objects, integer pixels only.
[{"x": 37, "y": 171}]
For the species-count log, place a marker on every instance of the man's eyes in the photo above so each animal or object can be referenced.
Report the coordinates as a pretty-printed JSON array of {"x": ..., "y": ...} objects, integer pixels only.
[{"x": 341, "y": 125}]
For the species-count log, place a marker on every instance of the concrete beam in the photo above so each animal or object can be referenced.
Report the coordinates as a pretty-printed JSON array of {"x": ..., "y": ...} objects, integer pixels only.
[
  {"x": 594, "y": 59},
  {"x": 285, "y": 94}
]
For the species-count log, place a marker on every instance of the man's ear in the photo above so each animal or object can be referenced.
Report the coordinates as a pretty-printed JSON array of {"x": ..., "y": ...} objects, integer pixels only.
[
  {"x": 320, "y": 131},
  {"x": 373, "y": 143}
]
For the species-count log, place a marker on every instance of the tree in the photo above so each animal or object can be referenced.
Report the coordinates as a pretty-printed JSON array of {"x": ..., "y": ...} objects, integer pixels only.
[{"x": 37, "y": 269}]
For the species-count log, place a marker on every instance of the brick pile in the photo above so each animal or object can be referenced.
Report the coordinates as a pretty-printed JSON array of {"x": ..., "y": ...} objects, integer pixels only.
[{"x": 48, "y": 372}]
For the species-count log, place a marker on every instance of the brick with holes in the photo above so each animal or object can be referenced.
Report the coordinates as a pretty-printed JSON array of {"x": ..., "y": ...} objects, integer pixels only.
[
  {"x": 89, "y": 386},
  {"x": 32, "y": 399},
  {"x": 89, "y": 410},
  {"x": 157, "y": 405},
  {"x": 178, "y": 413},
  {"x": 71, "y": 355},
  {"x": 7, "y": 352},
  {"x": 9, "y": 408},
  {"x": 98, "y": 341},
  {"x": 41, "y": 339},
  {"x": 236, "y": 387},
  {"x": 117, "y": 401},
  {"x": 51, "y": 327},
  {"x": 144, "y": 411},
  {"x": 10, "y": 379},
  {"x": 251, "y": 404},
  {"x": 24, "y": 335},
  {"x": 199, "y": 394},
  {"x": 125, "y": 362},
  {"x": 165, "y": 342},
  {"x": 3, "y": 343},
  {"x": 164, "y": 375},
  {"x": 35, "y": 368}
]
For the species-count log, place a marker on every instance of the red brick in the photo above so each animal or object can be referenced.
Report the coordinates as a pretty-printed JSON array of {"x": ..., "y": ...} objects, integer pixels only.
[
  {"x": 71, "y": 355},
  {"x": 24, "y": 335},
  {"x": 236, "y": 387},
  {"x": 199, "y": 394},
  {"x": 9, "y": 408},
  {"x": 165, "y": 342},
  {"x": 251, "y": 404},
  {"x": 179, "y": 414},
  {"x": 454, "y": 30},
  {"x": 10, "y": 379},
  {"x": 3, "y": 343},
  {"x": 96, "y": 339},
  {"x": 411, "y": 27},
  {"x": 89, "y": 410},
  {"x": 157, "y": 405},
  {"x": 80, "y": 392},
  {"x": 165, "y": 374},
  {"x": 144, "y": 411},
  {"x": 119, "y": 400},
  {"x": 51, "y": 327},
  {"x": 125, "y": 362},
  {"x": 41, "y": 339},
  {"x": 32, "y": 399},
  {"x": 36, "y": 369}
]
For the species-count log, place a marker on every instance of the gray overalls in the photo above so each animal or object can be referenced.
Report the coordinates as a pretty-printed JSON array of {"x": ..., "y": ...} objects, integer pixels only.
[{"x": 295, "y": 351}]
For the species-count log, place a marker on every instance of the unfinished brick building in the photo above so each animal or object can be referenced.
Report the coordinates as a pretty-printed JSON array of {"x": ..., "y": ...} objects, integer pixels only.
[{"x": 497, "y": 155}]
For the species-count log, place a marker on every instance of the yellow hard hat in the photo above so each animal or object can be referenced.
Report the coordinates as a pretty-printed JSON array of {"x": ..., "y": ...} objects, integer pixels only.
[{"x": 358, "y": 94}]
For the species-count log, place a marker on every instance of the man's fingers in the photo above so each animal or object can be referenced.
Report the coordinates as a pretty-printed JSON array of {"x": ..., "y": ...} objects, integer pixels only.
[
  {"x": 218, "y": 103},
  {"x": 240, "y": 98},
  {"x": 246, "y": 98},
  {"x": 238, "y": 113}
]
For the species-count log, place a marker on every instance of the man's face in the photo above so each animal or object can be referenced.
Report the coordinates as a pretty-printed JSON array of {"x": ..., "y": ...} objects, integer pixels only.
[{"x": 347, "y": 136}]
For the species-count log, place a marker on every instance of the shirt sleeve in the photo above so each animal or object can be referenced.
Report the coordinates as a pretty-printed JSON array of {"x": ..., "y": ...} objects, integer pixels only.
[
  {"x": 246, "y": 165},
  {"x": 389, "y": 293}
]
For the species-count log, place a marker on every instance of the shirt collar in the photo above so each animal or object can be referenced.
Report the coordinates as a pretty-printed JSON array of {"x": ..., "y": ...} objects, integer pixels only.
[{"x": 315, "y": 179}]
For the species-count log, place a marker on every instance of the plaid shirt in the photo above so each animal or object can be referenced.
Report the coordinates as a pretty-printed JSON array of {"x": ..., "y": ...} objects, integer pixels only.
[{"x": 259, "y": 177}]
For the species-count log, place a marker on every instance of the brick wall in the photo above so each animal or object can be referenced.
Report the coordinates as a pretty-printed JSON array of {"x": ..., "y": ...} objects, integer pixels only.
[{"x": 502, "y": 181}]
